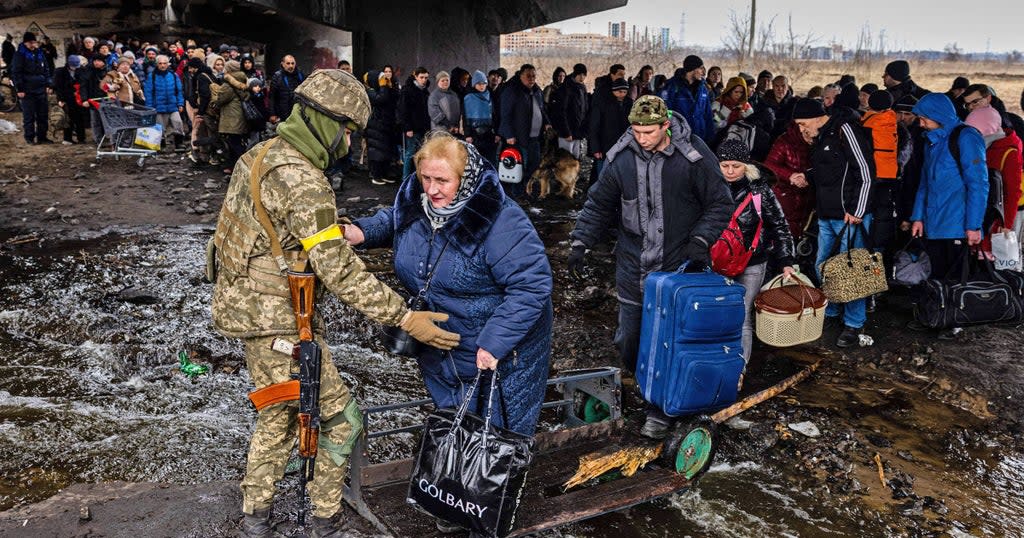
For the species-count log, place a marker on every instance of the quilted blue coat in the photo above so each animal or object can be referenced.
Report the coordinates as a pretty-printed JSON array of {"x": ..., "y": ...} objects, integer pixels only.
[
  {"x": 493, "y": 279},
  {"x": 163, "y": 91}
]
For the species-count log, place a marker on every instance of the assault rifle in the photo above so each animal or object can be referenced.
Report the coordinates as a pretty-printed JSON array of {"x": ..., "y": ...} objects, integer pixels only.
[{"x": 307, "y": 352}]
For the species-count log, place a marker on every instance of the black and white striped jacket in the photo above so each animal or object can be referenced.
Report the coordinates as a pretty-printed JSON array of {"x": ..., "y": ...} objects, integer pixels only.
[{"x": 842, "y": 167}]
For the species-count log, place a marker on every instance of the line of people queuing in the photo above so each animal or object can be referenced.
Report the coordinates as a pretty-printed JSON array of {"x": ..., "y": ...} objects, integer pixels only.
[
  {"x": 889, "y": 162},
  {"x": 844, "y": 155}
]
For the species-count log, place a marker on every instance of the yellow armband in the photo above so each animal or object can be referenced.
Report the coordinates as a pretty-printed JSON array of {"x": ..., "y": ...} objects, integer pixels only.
[{"x": 329, "y": 233}]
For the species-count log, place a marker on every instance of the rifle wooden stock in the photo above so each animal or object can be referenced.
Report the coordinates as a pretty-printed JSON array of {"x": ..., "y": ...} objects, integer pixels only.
[
  {"x": 309, "y": 433},
  {"x": 302, "y": 287}
]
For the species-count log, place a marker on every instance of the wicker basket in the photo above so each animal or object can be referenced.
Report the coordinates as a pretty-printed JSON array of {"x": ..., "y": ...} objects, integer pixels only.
[{"x": 788, "y": 315}]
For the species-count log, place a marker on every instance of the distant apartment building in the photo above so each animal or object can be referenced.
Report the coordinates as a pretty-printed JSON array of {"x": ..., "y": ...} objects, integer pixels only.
[
  {"x": 545, "y": 38},
  {"x": 619, "y": 36}
]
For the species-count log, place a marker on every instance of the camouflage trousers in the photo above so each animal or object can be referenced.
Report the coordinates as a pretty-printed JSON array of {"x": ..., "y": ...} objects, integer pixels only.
[{"x": 277, "y": 431}]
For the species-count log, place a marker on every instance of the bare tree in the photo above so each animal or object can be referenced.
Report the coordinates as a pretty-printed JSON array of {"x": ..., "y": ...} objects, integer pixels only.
[
  {"x": 953, "y": 52},
  {"x": 736, "y": 38}
]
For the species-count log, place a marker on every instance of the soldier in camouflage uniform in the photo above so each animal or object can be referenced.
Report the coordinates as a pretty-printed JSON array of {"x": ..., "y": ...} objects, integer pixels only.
[{"x": 251, "y": 299}]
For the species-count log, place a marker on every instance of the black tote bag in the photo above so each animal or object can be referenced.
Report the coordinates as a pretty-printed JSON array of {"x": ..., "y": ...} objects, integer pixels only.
[{"x": 468, "y": 471}]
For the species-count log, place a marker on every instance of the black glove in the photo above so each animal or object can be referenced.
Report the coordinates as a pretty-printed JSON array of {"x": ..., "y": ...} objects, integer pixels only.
[
  {"x": 696, "y": 252},
  {"x": 575, "y": 262}
]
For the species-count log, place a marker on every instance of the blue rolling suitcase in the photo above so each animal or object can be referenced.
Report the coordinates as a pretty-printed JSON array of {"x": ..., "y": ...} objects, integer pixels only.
[{"x": 691, "y": 356}]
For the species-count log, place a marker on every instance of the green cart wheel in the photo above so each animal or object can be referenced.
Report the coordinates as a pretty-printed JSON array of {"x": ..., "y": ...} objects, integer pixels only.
[{"x": 690, "y": 449}]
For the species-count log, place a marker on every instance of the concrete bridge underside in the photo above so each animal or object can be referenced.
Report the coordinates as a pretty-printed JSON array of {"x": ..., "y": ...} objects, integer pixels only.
[{"x": 438, "y": 34}]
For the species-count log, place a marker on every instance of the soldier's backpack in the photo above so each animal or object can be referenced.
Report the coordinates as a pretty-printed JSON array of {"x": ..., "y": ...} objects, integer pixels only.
[{"x": 882, "y": 126}]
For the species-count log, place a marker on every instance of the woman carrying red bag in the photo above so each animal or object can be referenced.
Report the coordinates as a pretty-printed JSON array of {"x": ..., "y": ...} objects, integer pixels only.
[{"x": 757, "y": 224}]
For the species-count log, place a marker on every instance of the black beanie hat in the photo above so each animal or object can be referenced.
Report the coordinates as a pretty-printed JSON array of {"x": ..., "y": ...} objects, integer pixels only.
[
  {"x": 620, "y": 84},
  {"x": 960, "y": 83},
  {"x": 99, "y": 57},
  {"x": 846, "y": 79},
  {"x": 808, "y": 108},
  {"x": 28, "y": 37},
  {"x": 692, "y": 62},
  {"x": 880, "y": 100},
  {"x": 733, "y": 150},
  {"x": 869, "y": 88},
  {"x": 195, "y": 62},
  {"x": 763, "y": 74},
  {"x": 849, "y": 97},
  {"x": 898, "y": 70},
  {"x": 905, "y": 103}
]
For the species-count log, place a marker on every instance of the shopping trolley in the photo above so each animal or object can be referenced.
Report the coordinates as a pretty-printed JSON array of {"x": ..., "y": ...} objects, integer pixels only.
[{"x": 120, "y": 120}]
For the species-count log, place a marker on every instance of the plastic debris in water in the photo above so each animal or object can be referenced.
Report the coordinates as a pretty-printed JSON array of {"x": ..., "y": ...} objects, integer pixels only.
[
  {"x": 806, "y": 428},
  {"x": 190, "y": 368},
  {"x": 866, "y": 340}
]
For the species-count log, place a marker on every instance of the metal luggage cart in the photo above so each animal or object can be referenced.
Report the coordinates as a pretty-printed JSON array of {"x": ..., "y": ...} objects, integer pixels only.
[
  {"x": 377, "y": 491},
  {"x": 120, "y": 120}
]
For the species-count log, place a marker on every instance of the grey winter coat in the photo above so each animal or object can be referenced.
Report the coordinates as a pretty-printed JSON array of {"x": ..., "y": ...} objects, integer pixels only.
[
  {"x": 445, "y": 109},
  {"x": 661, "y": 202}
]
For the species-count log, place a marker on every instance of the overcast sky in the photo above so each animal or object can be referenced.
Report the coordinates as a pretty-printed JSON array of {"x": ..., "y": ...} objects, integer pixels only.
[{"x": 976, "y": 26}]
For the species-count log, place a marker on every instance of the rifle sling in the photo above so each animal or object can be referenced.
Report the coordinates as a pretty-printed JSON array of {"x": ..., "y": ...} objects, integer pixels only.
[{"x": 255, "y": 174}]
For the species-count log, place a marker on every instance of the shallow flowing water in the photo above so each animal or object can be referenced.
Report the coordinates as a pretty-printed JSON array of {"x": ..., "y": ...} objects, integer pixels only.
[{"x": 90, "y": 391}]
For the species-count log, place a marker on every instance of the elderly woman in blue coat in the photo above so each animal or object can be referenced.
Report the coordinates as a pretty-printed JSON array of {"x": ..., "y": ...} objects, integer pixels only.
[{"x": 490, "y": 275}]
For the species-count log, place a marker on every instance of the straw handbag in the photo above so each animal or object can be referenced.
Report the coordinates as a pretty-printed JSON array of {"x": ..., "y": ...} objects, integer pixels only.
[{"x": 789, "y": 314}]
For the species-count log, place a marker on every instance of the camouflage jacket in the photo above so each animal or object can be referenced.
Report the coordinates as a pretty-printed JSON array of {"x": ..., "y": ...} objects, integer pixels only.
[{"x": 250, "y": 297}]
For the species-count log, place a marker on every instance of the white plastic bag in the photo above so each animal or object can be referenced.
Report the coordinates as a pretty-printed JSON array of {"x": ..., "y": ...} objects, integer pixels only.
[
  {"x": 1006, "y": 249},
  {"x": 149, "y": 137}
]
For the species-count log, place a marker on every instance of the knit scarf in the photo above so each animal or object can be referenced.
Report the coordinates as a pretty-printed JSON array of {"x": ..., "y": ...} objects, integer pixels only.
[
  {"x": 735, "y": 107},
  {"x": 439, "y": 216}
]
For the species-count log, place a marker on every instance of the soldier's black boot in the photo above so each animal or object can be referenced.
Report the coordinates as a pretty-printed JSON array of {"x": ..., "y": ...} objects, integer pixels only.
[
  {"x": 329, "y": 527},
  {"x": 257, "y": 525}
]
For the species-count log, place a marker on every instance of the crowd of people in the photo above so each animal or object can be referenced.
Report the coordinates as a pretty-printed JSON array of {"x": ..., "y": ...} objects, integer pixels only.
[
  {"x": 867, "y": 158},
  {"x": 675, "y": 157}
]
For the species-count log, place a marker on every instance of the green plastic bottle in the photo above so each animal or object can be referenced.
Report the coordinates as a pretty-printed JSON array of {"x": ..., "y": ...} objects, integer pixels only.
[{"x": 190, "y": 368}]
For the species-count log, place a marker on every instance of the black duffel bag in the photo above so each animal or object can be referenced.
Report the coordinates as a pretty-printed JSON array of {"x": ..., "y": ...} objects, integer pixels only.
[
  {"x": 979, "y": 295},
  {"x": 468, "y": 471}
]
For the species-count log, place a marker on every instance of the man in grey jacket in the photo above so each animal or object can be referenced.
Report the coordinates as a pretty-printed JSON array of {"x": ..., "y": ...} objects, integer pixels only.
[
  {"x": 444, "y": 106},
  {"x": 664, "y": 188}
]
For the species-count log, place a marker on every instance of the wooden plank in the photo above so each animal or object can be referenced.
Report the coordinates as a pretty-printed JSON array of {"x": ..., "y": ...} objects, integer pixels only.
[
  {"x": 538, "y": 511},
  {"x": 387, "y": 473},
  {"x": 596, "y": 500},
  {"x": 559, "y": 438}
]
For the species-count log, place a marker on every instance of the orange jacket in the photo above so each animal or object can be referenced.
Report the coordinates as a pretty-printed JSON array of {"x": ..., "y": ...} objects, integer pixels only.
[{"x": 884, "y": 138}]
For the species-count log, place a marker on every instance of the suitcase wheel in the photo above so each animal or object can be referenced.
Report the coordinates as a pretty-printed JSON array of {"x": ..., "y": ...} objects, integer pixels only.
[{"x": 691, "y": 446}]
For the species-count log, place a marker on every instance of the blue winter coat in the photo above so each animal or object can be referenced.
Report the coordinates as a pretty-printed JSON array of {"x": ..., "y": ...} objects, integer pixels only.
[
  {"x": 696, "y": 109},
  {"x": 163, "y": 91},
  {"x": 493, "y": 279},
  {"x": 30, "y": 72},
  {"x": 477, "y": 109},
  {"x": 952, "y": 197}
]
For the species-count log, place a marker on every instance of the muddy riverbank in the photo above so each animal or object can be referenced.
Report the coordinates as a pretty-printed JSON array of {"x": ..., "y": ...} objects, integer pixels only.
[{"x": 99, "y": 295}]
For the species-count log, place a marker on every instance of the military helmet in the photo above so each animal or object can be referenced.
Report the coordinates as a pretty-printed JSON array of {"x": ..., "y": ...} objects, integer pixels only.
[
  {"x": 336, "y": 94},
  {"x": 649, "y": 110}
]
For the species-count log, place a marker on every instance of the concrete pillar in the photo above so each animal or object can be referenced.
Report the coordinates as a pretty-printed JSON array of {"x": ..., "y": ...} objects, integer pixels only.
[{"x": 315, "y": 46}]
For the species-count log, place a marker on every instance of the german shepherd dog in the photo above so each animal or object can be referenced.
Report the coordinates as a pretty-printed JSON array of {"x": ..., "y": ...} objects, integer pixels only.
[{"x": 557, "y": 166}]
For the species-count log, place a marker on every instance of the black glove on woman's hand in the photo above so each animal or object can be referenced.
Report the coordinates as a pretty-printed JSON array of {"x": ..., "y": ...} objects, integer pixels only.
[
  {"x": 575, "y": 262},
  {"x": 696, "y": 252}
]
